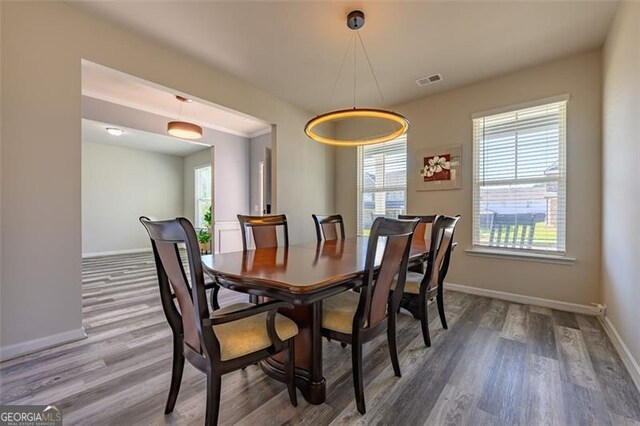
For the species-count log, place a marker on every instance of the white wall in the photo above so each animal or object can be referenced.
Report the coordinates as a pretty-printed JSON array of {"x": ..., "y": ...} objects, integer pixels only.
[
  {"x": 257, "y": 148},
  {"x": 621, "y": 176},
  {"x": 445, "y": 119},
  {"x": 42, "y": 46},
  {"x": 118, "y": 186},
  {"x": 231, "y": 177}
]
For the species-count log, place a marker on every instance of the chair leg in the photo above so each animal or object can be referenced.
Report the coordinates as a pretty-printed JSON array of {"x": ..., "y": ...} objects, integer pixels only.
[
  {"x": 356, "y": 360},
  {"x": 440, "y": 301},
  {"x": 213, "y": 398},
  {"x": 176, "y": 374},
  {"x": 393, "y": 349},
  {"x": 424, "y": 320},
  {"x": 343, "y": 344},
  {"x": 290, "y": 372}
]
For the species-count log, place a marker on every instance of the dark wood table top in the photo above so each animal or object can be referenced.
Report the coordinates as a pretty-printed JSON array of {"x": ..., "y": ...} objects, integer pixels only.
[{"x": 299, "y": 270}]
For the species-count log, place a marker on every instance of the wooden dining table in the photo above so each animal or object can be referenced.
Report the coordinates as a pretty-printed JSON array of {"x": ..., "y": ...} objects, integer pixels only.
[{"x": 303, "y": 275}]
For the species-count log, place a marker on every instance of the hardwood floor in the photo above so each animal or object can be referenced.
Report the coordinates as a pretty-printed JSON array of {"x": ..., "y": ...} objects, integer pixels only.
[{"x": 499, "y": 363}]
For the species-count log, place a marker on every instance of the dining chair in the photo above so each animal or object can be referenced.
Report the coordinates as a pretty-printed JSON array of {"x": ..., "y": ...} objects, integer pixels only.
[
  {"x": 215, "y": 343},
  {"x": 420, "y": 288},
  {"x": 356, "y": 318},
  {"x": 327, "y": 227},
  {"x": 264, "y": 230}
]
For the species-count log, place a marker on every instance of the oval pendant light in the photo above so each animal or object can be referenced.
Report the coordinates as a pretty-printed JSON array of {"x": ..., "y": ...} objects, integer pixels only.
[
  {"x": 184, "y": 129},
  {"x": 384, "y": 125}
]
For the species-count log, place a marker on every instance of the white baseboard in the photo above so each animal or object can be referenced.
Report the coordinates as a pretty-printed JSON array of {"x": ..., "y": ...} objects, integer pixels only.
[
  {"x": 624, "y": 352},
  {"x": 528, "y": 300},
  {"x": 24, "y": 348},
  {"x": 115, "y": 252}
]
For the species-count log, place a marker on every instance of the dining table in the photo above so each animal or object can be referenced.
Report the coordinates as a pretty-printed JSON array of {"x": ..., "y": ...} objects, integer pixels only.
[{"x": 303, "y": 275}]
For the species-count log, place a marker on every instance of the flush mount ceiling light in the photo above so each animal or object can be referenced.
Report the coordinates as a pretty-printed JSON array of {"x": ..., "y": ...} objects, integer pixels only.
[
  {"x": 114, "y": 131},
  {"x": 382, "y": 124},
  {"x": 184, "y": 129}
]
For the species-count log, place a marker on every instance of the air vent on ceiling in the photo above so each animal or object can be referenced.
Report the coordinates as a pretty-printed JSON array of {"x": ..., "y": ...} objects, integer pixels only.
[{"x": 430, "y": 79}]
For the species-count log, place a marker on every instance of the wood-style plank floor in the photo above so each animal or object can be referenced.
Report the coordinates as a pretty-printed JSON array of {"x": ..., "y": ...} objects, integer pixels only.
[{"x": 499, "y": 363}]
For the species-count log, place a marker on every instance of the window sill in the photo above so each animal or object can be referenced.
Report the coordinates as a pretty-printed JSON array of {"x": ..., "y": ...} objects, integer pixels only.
[{"x": 515, "y": 255}]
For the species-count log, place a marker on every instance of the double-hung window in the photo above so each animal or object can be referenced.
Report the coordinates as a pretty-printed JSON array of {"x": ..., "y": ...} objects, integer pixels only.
[
  {"x": 519, "y": 178},
  {"x": 202, "y": 181},
  {"x": 382, "y": 182}
]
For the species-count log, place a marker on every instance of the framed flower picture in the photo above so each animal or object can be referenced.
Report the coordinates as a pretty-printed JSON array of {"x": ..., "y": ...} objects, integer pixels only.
[{"x": 438, "y": 168}]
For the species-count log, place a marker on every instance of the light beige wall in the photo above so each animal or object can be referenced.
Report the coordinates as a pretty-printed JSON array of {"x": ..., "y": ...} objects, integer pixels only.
[
  {"x": 42, "y": 46},
  {"x": 621, "y": 176},
  {"x": 118, "y": 186},
  {"x": 446, "y": 119},
  {"x": 1, "y": 316}
]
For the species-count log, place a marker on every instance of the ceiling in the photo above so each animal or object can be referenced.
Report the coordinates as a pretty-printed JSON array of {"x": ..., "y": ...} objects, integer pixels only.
[
  {"x": 109, "y": 85},
  {"x": 294, "y": 49},
  {"x": 95, "y": 132}
]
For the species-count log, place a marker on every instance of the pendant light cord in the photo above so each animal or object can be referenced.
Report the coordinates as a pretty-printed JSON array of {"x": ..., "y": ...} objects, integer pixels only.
[
  {"x": 335, "y": 83},
  {"x": 366, "y": 55},
  {"x": 355, "y": 68}
]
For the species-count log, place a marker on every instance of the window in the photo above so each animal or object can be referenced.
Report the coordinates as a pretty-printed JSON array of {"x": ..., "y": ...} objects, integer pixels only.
[
  {"x": 202, "y": 186},
  {"x": 382, "y": 182},
  {"x": 519, "y": 178}
]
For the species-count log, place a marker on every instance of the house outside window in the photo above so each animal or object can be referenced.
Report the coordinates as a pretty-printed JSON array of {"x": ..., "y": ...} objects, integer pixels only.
[
  {"x": 519, "y": 178},
  {"x": 382, "y": 182},
  {"x": 202, "y": 186}
]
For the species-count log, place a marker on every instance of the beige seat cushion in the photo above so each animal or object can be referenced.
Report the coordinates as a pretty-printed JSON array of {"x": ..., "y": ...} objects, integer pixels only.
[
  {"x": 338, "y": 311},
  {"x": 248, "y": 335},
  {"x": 411, "y": 284}
]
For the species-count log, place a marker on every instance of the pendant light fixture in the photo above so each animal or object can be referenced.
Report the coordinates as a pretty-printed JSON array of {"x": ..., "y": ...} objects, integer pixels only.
[
  {"x": 183, "y": 129},
  {"x": 379, "y": 125}
]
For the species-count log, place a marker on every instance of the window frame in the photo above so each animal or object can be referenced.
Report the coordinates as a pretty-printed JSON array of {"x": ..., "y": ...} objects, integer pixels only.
[
  {"x": 199, "y": 221},
  {"x": 386, "y": 189},
  {"x": 560, "y": 251}
]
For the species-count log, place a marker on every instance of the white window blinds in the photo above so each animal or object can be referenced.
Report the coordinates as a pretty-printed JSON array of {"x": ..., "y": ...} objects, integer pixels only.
[
  {"x": 382, "y": 182},
  {"x": 519, "y": 178}
]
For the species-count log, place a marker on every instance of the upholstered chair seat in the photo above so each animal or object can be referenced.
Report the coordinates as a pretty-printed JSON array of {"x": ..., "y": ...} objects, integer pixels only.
[
  {"x": 338, "y": 311},
  {"x": 412, "y": 284},
  {"x": 248, "y": 335}
]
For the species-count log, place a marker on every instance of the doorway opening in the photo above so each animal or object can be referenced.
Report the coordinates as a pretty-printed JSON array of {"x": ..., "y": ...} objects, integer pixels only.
[{"x": 132, "y": 167}]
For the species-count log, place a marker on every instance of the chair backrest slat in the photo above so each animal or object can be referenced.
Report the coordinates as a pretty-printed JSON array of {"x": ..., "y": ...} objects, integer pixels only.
[
  {"x": 424, "y": 227},
  {"x": 264, "y": 230},
  {"x": 327, "y": 227}
]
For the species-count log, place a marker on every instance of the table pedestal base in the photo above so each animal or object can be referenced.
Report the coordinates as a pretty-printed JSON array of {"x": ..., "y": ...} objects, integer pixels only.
[
  {"x": 314, "y": 392},
  {"x": 308, "y": 360}
]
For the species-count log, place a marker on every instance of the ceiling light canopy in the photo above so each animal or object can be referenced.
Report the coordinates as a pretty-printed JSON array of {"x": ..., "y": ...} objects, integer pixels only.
[
  {"x": 372, "y": 125},
  {"x": 184, "y": 129}
]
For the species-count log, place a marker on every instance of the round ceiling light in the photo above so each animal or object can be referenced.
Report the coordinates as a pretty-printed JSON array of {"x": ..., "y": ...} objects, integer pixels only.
[
  {"x": 395, "y": 125},
  {"x": 184, "y": 130},
  {"x": 373, "y": 125},
  {"x": 114, "y": 131}
]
